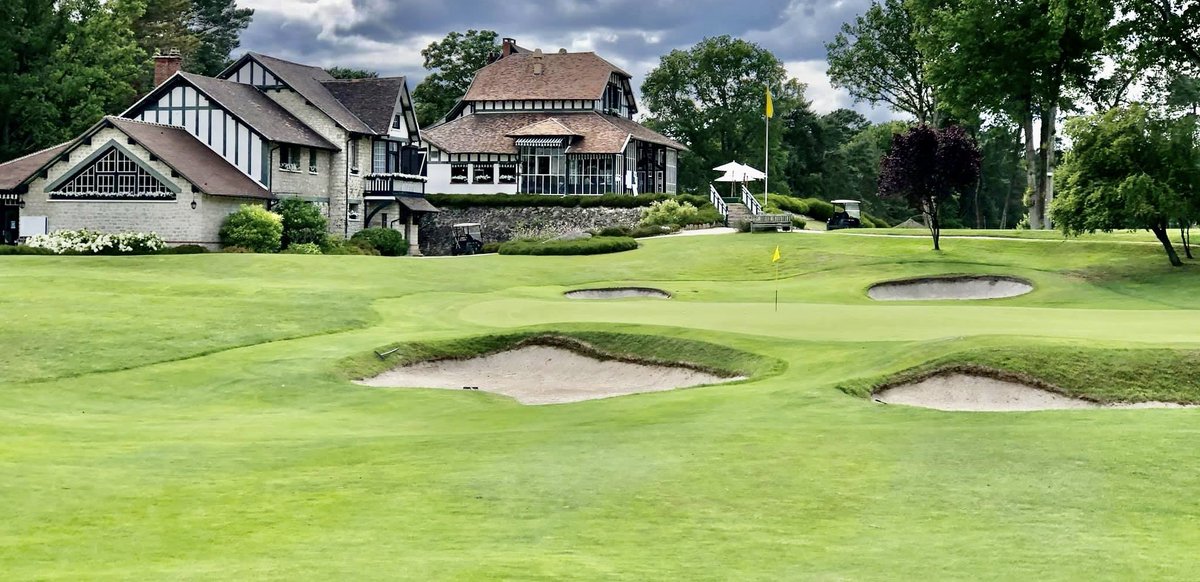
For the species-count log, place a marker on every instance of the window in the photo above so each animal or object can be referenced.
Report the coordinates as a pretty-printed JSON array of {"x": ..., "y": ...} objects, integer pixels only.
[
  {"x": 379, "y": 157},
  {"x": 484, "y": 174},
  {"x": 672, "y": 171},
  {"x": 507, "y": 173},
  {"x": 592, "y": 174},
  {"x": 113, "y": 175},
  {"x": 542, "y": 170},
  {"x": 398, "y": 122},
  {"x": 458, "y": 173},
  {"x": 289, "y": 158},
  {"x": 354, "y": 156},
  {"x": 352, "y": 211},
  {"x": 312, "y": 160}
]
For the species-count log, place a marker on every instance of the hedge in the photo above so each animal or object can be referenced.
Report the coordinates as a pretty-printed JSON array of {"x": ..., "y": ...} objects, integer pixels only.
[
  {"x": 590, "y": 246},
  {"x": 389, "y": 242},
  {"x": 552, "y": 201}
]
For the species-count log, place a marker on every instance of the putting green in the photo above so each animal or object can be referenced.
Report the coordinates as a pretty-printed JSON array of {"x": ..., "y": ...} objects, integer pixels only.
[{"x": 193, "y": 417}]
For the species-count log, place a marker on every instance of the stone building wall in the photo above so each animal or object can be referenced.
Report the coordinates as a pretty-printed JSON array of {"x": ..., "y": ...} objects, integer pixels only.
[{"x": 503, "y": 224}]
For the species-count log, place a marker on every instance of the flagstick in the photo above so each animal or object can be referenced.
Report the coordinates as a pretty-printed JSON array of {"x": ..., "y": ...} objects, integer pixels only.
[
  {"x": 767, "y": 163},
  {"x": 776, "y": 286}
]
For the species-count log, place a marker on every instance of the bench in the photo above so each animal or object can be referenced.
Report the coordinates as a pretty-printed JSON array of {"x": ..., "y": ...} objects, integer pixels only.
[{"x": 771, "y": 222}]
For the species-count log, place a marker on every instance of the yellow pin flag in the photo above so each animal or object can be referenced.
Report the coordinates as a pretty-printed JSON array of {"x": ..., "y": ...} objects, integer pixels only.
[
  {"x": 770, "y": 105},
  {"x": 775, "y": 257}
]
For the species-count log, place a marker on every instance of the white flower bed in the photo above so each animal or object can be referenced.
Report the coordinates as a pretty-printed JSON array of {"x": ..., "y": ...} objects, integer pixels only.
[{"x": 90, "y": 242}]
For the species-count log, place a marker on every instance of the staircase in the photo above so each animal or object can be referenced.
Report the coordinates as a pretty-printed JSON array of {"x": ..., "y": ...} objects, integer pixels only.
[{"x": 738, "y": 213}]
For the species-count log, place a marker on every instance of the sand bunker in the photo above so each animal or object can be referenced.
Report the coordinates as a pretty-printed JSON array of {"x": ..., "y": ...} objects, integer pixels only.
[
  {"x": 971, "y": 393},
  {"x": 950, "y": 288},
  {"x": 617, "y": 293},
  {"x": 545, "y": 375}
]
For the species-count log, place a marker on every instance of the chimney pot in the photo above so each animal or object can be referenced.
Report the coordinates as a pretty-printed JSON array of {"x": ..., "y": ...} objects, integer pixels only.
[
  {"x": 166, "y": 65},
  {"x": 506, "y": 47}
]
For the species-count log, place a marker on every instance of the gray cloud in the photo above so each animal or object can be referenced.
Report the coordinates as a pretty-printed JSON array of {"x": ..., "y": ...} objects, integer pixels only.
[{"x": 388, "y": 35}]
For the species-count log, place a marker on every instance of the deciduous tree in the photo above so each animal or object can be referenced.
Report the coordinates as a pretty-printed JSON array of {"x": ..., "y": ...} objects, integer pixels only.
[
  {"x": 351, "y": 73},
  {"x": 928, "y": 167},
  {"x": 451, "y": 63}
]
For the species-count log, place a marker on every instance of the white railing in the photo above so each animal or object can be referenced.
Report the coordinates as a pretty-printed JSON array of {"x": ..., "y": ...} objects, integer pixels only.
[
  {"x": 751, "y": 202},
  {"x": 717, "y": 201}
]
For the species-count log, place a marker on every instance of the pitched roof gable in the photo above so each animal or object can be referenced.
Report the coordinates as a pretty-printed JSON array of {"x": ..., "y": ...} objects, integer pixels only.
[
  {"x": 564, "y": 76},
  {"x": 13, "y": 173},
  {"x": 550, "y": 127},
  {"x": 309, "y": 82},
  {"x": 373, "y": 101},
  {"x": 190, "y": 158}
]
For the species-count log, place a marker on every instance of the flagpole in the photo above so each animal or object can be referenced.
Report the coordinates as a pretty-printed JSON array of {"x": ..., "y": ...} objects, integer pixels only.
[{"x": 767, "y": 161}]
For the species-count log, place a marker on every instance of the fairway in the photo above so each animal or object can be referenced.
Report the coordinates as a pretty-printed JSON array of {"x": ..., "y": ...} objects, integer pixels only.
[{"x": 196, "y": 417}]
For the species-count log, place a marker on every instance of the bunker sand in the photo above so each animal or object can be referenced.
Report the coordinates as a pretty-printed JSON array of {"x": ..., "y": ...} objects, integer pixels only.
[
  {"x": 971, "y": 393},
  {"x": 545, "y": 375}
]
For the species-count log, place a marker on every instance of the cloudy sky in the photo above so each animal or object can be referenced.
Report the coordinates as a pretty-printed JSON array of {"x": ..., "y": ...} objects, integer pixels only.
[{"x": 387, "y": 35}]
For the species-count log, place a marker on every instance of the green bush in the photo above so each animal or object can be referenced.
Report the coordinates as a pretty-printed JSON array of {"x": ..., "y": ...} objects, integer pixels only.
[
  {"x": 389, "y": 242},
  {"x": 819, "y": 209},
  {"x": 184, "y": 250},
  {"x": 341, "y": 246},
  {"x": 302, "y": 222},
  {"x": 865, "y": 222},
  {"x": 707, "y": 215},
  {"x": 799, "y": 223},
  {"x": 236, "y": 250},
  {"x": 614, "y": 231},
  {"x": 254, "y": 228},
  {"x": 491, "y": 247},
  {"x": 298, "y": 248},
  {"x": 23, "y": 250},
  {"x": 668, "y": 213},
  {"x": 788, "y": 204},
  {"x": 590, "y": 246},
  {"x": 875, "y": 220},
  {"x": 651, "y": 230}
]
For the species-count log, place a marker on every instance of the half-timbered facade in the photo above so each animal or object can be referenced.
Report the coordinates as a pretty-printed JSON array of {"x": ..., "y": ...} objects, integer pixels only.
[
  {"x": 559, "y": 123},
  {"x": 264, "y": 130}
]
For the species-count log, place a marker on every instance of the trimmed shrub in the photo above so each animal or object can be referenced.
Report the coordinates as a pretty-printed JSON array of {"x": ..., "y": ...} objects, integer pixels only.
[
  {"x": 23, "y": 250},
  {"x": 789, "y": 204},
  {"x": 875, "y": 220},
  {"x": 651, "y": 230},
  {"x": 799, "y": 223},
  {"x": 592, "y": 246},
  {"x": 667, "y": 213},
  {"x": 389, "y": 242},
  {"x": 819, "y": 209},
  {"x": 341, "y": 246},
  {"x": 254, "y": 228},
  {"x": 614, "y": 231},
  {"x": 236, "y": 250},
  {"x": 184, "y": 250},
  {"x": 491, "y": 247},
  {"x": 302, "y": 222},
  {"x": 90, "y": 242},
  {"x": 707, "y": 215},
  {"x": 303, "y": 249}
]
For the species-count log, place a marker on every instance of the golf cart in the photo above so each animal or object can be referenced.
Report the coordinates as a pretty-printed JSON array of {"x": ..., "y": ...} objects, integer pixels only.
[
  {"x": 468, "y": 238},
  {"x": 846, "y": 214}
]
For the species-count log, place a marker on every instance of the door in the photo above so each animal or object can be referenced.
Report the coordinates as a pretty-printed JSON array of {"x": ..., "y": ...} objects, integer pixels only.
[{"x": 10, "y": 219}]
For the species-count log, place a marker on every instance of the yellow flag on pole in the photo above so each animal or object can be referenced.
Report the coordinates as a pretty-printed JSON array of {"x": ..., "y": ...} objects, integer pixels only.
[
  {"x": 770, "y": 105},
  {"x": 775, "y": 257}
]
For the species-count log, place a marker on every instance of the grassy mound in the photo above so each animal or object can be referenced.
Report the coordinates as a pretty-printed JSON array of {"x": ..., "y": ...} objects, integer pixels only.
[
  {"x": 1099, "y": 375},
  {"x": 599, "y": 245},
  {"x": 633, "y": 348}
]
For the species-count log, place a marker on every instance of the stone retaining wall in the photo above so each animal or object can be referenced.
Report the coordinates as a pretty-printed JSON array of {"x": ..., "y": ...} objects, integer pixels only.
[{"x": 504, "y": 224}]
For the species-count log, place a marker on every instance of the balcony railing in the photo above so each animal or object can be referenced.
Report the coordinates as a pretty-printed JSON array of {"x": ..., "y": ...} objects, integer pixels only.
[{"x": 391, "y": 184}]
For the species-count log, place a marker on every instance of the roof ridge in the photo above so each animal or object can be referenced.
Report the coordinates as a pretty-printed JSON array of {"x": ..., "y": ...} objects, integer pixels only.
[
  {"x": 274, "y": 58},
  {"x": 140, "y": 122},
  {"x": 41, "y": 151}
]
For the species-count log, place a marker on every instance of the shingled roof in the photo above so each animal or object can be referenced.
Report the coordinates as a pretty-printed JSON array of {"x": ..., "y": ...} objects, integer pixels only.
[
  {"x": 259, "y": 111},
  {"x": 373, "y": 101},
  {"x": 15, "y": 172},
  {"x": 493, "y": 133},
  {"x": 190, "y": 158},
  {"x": 309, "y": 82},
  {"x": 564, "y": 76}
]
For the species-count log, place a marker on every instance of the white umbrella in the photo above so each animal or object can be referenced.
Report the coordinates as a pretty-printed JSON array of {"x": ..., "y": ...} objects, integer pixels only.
[
  {"x": 729, "y": 177},
  {"x": 731, "y": 166},
  {"x": 752, "y": 174}
]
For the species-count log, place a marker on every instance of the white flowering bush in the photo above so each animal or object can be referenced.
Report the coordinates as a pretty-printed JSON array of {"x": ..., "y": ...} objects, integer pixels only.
[{"x": 90, "y": 242}]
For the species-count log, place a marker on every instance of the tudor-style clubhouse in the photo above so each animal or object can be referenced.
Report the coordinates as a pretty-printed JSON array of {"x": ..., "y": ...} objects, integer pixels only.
[
  {"x": 195, "y": 148},
  {"x": 549, "y": 123}
]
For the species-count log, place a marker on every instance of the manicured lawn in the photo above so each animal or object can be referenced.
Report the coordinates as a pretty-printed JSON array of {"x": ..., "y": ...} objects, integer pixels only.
[{"x": 191, "y": 417}]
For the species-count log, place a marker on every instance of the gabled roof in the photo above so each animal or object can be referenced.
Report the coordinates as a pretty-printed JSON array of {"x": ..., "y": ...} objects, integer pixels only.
[
  {"x": 190, "y": 158},
  {"x": 564, "y": 76},
  {"x": 373, "y": 101},
  {"x": 13, "y": 173},
  {"x": 493, "y": 133},
  {"x": 246, "y": 103},
  {"x": 547, "y": 128},
  {"x": 309, "y": 82}
]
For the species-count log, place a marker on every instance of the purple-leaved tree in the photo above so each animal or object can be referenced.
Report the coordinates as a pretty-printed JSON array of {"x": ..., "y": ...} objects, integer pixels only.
[{"x": 927, "y": 167}]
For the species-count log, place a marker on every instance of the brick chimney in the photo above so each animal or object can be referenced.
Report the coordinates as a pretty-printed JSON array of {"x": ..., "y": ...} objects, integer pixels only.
[
  {"x": 507, "y": 47},
  {"x": 166, "y": 65}
]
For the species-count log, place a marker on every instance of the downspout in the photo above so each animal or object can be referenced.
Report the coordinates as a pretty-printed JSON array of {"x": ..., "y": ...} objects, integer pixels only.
[{"x": 346, "y": 189}]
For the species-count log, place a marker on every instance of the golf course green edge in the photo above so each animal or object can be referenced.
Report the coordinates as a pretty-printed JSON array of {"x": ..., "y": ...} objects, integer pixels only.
[
  {"x": 1104, "y": 376},
  {"x": 646, "y": 349}
]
